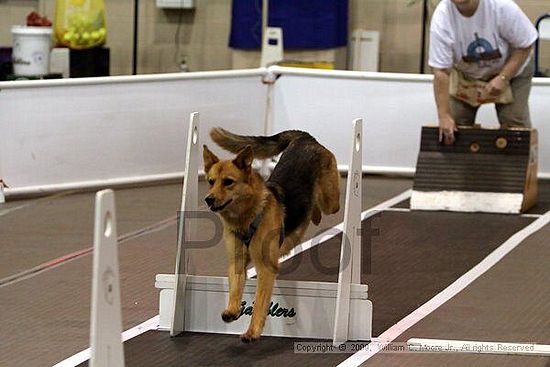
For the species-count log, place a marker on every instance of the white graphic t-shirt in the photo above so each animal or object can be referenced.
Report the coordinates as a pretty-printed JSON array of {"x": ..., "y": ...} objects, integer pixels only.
[{"x": 479, "y": 45}]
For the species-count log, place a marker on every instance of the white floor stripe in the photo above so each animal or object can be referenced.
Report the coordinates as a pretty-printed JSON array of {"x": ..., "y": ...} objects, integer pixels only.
[
  {"x": 408, "y": 210},
  {"x": 55, "y": 263},
  {"x": 527, "y": 215},
  {"x": 401, "y": 210},
  {"x": 393, "y": 332},
  {"x": 151, "y": 324},
  {"x": 477, "y": 347},
  {"x": 35, "y": 202}
]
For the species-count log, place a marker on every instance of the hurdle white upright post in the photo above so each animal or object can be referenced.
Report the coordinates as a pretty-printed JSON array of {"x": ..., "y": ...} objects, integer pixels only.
[
  {"x": 106, "y": 319},
  {"x": 350, "y": 253},
  {"x": 189, "y": 202},
  {"x": 355, "y": 200},
  {"x": 2, "y": 196}
]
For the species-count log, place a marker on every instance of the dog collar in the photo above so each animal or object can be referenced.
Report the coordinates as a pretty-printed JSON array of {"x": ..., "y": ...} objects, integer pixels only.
[{"x": 246, "y": 237}]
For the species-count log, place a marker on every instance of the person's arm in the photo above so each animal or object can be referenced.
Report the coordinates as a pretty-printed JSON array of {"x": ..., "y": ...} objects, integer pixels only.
[
  {"x": 447, "y": 125},
  {"x": 510, "y": 69}
]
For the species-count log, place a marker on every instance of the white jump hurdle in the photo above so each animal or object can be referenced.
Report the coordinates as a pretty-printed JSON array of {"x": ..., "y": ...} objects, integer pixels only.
[
  {"x": 106, "y": 319},
  {"x": 2, "y": 195},
  {"x": 194, "y": 303}
]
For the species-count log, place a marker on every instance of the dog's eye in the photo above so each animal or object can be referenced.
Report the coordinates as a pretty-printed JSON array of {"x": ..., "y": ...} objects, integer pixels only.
[
  {"x": 211, "y": 181},
  {"x": 228, "y": 182}
]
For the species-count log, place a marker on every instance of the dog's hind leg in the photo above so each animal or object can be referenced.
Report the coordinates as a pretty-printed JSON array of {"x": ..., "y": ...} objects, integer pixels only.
[
  {"x": 315, "y": 215},
  {"x": 238, "y": 258},
  {"x": 328, "y": 186},
  {"x": 293, "y": 239}
]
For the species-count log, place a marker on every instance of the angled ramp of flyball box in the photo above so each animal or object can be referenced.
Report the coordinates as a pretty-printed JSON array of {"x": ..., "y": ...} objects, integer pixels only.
[{"x": 486, "y": 170}]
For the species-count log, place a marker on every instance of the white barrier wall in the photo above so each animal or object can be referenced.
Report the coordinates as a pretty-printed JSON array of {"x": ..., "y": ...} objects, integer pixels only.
[
  {"x": 76, "y": 133},
  {"x": 393, "y": 106},
  {"x": 85, "y": 132}
]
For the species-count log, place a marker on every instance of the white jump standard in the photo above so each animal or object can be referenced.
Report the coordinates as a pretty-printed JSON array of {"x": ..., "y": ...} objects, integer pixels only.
[
  {"x": 194, "y": 303},
  {"x": 106, "y": 320}
]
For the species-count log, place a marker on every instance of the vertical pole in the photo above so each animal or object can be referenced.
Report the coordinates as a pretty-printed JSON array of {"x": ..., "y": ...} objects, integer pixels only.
[
  {"x": 423, "y": 36},
  {"x": 2, "y": 196},
  {"x": 135, "y": 40},
  {"x": 356, "y": 197},
  {"x": 268, "y": 126},
  {"x": 265, "y": 17},
  {"x": 350, "y": 253},
  {"x": 106, "y": 316},
  {"x": 189, "y": 203}
]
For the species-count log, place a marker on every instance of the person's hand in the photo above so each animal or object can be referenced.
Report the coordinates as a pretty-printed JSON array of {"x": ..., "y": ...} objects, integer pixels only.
[
  {"x": 496, "y": 85},
  {"x": 447, "y": 128}
]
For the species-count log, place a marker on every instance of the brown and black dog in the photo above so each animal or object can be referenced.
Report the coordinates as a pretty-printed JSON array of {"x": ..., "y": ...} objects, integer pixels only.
[{"x": 264, "y": 220}]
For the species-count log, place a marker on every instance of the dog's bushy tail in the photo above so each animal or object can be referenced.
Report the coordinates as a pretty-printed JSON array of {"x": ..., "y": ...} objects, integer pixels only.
[{"x": 263, "y": 146}]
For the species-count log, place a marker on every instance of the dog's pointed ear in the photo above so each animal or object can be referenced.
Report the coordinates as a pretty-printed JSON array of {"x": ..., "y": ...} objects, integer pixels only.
[
  {"x": 209, "y": 158},
  {"x": 244, "y": 158}
]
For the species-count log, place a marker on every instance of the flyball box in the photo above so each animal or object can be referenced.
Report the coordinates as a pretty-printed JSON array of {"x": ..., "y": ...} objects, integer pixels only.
[{"x": 485, "y": 170}]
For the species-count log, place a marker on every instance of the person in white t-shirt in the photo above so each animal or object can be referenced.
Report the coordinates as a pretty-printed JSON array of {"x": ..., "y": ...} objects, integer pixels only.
[{"x": 487, "y": 40}]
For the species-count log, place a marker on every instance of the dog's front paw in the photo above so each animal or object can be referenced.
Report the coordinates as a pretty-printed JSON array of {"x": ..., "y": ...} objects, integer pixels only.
[
  {"x": 249, "y": 337},
  {"x": 228, "y": 316}
]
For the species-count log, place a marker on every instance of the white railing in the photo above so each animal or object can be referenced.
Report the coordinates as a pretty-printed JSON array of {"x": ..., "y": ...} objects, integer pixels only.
[{"x": 94, "y": 132}]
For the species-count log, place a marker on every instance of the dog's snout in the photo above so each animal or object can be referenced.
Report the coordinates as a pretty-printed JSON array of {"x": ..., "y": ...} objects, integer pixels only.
[{"x": 209, "y": 200}]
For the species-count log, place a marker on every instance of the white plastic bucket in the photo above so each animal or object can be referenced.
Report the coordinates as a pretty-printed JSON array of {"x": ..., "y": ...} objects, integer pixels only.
[{"x": 31, "y": 50}]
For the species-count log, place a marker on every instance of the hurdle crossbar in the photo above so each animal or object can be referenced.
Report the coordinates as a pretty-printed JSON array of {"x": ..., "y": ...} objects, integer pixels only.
[{"x": 194, "y": 303}]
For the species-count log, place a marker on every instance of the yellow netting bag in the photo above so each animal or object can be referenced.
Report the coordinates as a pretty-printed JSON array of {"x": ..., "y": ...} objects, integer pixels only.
[{"x": 80, "y": 24}]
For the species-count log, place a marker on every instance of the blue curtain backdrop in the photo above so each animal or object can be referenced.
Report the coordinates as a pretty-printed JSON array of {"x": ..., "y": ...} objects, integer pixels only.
[{"x": 306, "y": 24}]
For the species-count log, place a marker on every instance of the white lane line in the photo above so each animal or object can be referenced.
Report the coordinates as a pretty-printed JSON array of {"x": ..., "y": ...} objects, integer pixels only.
[
  {"x": 55, "y": 263},
  {"x": 477, "y": 347},
  {"x": 452, "y": 290},
  {"x": 35, "y": 202},
  {"x": 400, "y": 210},
  {"x": 408, "y": 210},
  {"x": 83, "y": 356}
]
